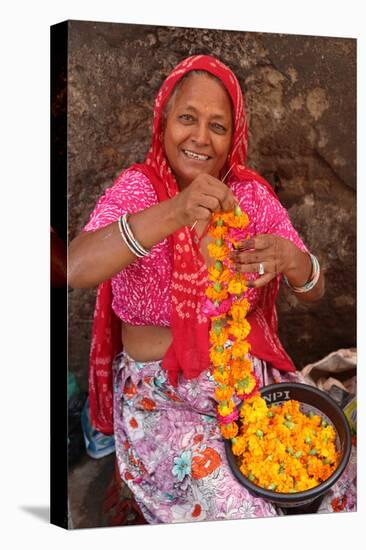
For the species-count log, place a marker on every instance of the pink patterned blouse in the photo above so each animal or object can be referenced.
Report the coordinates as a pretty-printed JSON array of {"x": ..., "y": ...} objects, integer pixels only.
[{"x": 142, "y": 291}]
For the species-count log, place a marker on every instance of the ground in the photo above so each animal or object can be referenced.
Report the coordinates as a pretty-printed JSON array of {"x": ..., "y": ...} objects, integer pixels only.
[{"x": 88, "y": 482}]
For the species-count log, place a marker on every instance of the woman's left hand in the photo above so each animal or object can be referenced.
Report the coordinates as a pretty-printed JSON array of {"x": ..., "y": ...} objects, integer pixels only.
[{"x": 275, "y": 254}]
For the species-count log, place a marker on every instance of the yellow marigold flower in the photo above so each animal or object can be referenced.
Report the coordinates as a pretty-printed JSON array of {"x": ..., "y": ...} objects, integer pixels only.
[
  {"x": 246, "y": 385},
  {"x": 218, "y": 252},
  {"x": 239, "y": 309},
  {"x": 219, "y": 355},
  {"x": 218, "y": 276},
  {"x": 239, "y": 349},
  {"x": 213, "y": 273},
  {"x": 239, "y": 329},
  {"x": 253, "y": 409},
  {"x": 256, "y": 401},
  {"x": 237, "y": 286},
  {"x": 218, "y": 339},
  {"x": 226, "y": 407}
]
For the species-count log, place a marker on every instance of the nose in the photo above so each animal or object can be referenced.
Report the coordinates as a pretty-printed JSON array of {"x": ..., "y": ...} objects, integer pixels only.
[{"x": 200, "y": 134}]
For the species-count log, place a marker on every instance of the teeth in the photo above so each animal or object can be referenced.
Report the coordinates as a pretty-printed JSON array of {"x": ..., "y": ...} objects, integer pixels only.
[{"x": 195, "y": 156}]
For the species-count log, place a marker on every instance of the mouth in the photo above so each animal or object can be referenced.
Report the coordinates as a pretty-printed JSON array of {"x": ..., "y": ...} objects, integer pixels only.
[{"x": 195, "y": 156}]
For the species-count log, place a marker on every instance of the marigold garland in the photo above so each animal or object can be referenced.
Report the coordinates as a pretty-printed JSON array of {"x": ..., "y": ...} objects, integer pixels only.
[
  {"x": 278, "y": 448},
  {"x": 229, "y": 349}
]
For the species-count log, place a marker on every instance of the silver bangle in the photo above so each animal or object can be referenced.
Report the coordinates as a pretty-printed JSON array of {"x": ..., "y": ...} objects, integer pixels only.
[
  {"x": 314, "y": 278},
  {"x": 132, "y": 244},
  {"x": 131, "y": 237}
]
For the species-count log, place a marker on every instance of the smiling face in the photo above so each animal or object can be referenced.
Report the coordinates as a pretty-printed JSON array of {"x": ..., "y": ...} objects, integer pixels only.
[{"x": 198, "y": 129}]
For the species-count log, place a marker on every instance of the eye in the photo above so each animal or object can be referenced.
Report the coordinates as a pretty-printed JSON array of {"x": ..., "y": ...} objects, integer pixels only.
[
  {"x": 186, "y": 118},
  {"x": 218, "y": 128}
]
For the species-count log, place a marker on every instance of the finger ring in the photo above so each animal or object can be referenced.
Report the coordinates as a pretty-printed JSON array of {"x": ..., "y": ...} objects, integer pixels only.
[{"x": 261, "y": 269}]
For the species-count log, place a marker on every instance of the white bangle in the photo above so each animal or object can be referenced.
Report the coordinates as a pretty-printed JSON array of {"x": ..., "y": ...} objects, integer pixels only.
[
  {"x": 131, "y": 236},
  {"x": 133, "y": 245},
  {"x": 314, "y": 278}
]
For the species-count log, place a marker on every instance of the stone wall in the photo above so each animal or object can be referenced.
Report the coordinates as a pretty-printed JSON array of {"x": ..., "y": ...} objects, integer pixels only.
[{"x": 301, "y": 102}]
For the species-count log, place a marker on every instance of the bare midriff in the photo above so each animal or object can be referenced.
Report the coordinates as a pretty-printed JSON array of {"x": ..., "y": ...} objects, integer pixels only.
[
  {"x": 146, "y": 343},
  {"x": 150, "y": 343}
]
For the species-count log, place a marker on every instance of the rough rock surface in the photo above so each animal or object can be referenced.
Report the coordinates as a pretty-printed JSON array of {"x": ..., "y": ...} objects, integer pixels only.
[{"x": 301, "y": 101}]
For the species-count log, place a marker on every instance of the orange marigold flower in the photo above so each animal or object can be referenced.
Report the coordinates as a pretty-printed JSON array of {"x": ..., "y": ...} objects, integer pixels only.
[
  {"x": 225, "y": 276},
  {"x": 238, "y": 222},
  {"x": 216, "y": 295},
  {"x": 221, "y": 377},
  {"x": 217, "y": 218},
  {"x": 218, "y": 231},
  {"x": 224, "y": 392},
  {"x": 240, "y": 368},
  {"x": 229, "y": 431},
  {"x": 239, "y": 445}
]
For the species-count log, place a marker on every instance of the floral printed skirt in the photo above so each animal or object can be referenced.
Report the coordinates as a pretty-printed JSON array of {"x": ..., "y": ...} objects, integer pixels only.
[{"x": 171, "y": 454}]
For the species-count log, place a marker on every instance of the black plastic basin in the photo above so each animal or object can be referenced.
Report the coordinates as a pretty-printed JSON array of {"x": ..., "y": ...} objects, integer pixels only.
[{"x": 310, "y": 398}]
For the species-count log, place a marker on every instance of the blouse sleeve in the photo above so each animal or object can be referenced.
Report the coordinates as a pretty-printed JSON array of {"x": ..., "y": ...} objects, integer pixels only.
[
  {"x": 266, "y": 214},
  {"x": 132, "y": 192}
]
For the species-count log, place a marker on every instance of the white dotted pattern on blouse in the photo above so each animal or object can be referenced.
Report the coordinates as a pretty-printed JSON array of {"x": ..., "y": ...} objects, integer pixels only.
[{"x": 142, "y": 291}]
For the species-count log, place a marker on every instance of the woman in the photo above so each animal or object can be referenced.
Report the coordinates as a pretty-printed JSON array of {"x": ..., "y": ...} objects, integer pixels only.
[{"x": 146, "y": 243}]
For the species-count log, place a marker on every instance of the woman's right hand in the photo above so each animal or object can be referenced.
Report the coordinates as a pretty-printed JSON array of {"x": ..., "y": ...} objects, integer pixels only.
[
  {"x": 201, "y": 198},
  {"x": 96, "y": 256}
]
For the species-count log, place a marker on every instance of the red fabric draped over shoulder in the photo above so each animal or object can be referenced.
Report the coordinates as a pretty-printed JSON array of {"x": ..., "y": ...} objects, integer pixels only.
[{"x": 189, "y": 352}]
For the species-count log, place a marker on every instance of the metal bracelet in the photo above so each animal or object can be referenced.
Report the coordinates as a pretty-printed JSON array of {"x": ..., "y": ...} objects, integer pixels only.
[
  {"x": 132, "y": 239},
  {"x": 130, "y": 243},
  {"x": 314, "y": 278}
]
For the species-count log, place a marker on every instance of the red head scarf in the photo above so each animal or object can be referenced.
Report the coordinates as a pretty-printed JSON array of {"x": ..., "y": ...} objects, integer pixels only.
[{"x": 189, "y": 351}]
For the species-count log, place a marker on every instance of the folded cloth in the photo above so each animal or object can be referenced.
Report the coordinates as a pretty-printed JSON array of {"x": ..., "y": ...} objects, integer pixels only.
[
  {"x": 336, "y": 369},
  {"x": 97, "y": 444}
]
